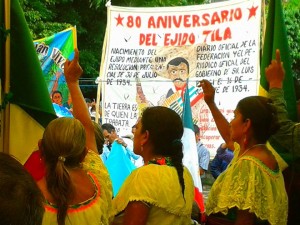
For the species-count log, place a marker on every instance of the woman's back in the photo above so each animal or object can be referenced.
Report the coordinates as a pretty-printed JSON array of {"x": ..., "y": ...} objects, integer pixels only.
[
  {"x": 82, "y": 183},
  {"x": 76, "y": 183},
  {"x": 92, "y": 195},
  {"x": 158, "y": 186}
]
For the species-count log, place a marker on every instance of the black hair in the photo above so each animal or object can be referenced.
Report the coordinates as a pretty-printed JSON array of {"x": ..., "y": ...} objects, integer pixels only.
[
  {"x": 108, "y": 127},
  {"x": 176, "y": 62},
  {"x": 99, "y": 137},
  {"x": 21, "y": 201},
  {"x": 262, "y": 113},
  {"x": 87, "y": 100},
  {"x": 165, "y": 132},
  {"x": 196, "y": 129},
  {"x": 55, "y": 92}
]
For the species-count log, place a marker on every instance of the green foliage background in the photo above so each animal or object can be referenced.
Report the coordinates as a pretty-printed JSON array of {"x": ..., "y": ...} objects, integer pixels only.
[
  {"x": 292, "y": 17},
  {"x": 46, "y": 17}
]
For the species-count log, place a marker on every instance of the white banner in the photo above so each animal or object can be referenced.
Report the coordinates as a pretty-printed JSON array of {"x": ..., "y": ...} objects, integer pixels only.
[{"x": 219, "y": 42}]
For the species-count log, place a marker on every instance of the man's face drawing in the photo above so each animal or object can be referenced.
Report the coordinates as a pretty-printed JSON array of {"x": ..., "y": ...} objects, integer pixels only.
[{"x": 178, "y": 74}]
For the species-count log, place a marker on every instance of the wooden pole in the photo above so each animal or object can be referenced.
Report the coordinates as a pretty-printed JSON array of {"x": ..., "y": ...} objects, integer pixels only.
[
  {"x": 6, "y": 115},
  {"x": 98, "y": 101},
  {"x": 264, "y": 19},
  {"x": 100, "y": 80}
]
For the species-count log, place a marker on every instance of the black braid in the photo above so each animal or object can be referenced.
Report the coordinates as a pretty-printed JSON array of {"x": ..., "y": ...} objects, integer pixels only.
[
  {"x": 177, "y": 161},
  {"x": 165, "y": 128}
]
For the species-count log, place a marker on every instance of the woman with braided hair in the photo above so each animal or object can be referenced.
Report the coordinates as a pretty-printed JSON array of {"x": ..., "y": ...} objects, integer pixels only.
[{"x": 161, "y": 191}]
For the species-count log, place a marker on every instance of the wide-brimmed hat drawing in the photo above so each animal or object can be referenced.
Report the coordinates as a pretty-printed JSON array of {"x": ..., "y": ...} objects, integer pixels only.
[{"x": 164, "y": 55}]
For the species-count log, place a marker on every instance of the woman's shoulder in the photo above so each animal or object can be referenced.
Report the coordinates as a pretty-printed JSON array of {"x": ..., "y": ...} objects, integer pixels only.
[
  {"x": 150, "y": 171},
  {"x": 157, "y": 170},
  {"x": 93, "y": 164},
  {"x": 42, "y": 184},
  {"x": 157, "y": 176},
  {"x": 261, "y": 157},
  {"x": 266, "y": 157}
]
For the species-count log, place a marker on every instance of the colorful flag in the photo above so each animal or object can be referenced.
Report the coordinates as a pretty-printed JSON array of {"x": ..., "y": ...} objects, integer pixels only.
[
  {"x": 30, "y": 106},
  {"x": 52, "y": 52},
  {"x": 190, "y": 155},
  {"x": 276, "y": 38}
]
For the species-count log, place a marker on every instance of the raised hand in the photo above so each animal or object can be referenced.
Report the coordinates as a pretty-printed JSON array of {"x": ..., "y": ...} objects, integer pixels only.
[
  {"x": 208, "y": 91},
  {"x": 275, "y": 72},
  {"x": 72, "y": 69}
]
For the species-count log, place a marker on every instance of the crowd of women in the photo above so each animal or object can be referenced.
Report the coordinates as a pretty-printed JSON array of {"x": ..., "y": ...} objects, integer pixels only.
[{"x": 76, "y": 188}]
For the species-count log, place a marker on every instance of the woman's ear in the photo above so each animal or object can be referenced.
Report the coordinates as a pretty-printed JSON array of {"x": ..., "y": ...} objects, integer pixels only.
[
  {"x": 248, "y": 124},
  {"x": 145, "y": 137}
]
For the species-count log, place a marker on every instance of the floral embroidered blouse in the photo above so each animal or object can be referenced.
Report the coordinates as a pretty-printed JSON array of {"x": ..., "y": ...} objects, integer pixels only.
[{"x": 249, "y": 184}]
